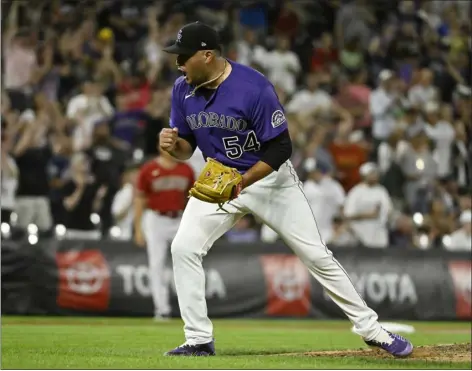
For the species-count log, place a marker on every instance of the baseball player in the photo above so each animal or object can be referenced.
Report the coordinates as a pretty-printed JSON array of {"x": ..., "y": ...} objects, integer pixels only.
[
  {"x": 161, "y": 194},
  {"x": 232, "y": 113}
]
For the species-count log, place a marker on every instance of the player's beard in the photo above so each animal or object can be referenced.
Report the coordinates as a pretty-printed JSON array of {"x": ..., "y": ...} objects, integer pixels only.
[{"x": 198, "y": 79}]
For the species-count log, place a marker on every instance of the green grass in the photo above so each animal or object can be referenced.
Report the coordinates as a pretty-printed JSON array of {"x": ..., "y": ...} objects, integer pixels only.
[{"x": 122, "y": 343}]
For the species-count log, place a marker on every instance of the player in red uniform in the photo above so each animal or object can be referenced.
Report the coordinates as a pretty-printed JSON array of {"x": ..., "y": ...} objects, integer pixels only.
[{"x": 161, "y": 195}]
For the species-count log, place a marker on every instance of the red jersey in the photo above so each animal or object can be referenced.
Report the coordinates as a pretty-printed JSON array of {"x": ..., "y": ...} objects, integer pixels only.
[
  {"x": 348, "y": 158},
  {"x": 138, "y": 97},
  {"x": 166, "y": 190}
]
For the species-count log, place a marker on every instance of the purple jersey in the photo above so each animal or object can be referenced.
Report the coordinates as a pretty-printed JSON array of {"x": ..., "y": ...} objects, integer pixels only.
[{"x": 232, "y": 125}]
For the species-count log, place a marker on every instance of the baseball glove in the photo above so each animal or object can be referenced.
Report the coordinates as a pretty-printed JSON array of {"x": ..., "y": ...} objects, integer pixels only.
[{"x": 217, "y": 183}]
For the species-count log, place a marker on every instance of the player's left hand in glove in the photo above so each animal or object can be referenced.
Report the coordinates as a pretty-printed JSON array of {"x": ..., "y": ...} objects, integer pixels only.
[{"x": 217, "y": 183}]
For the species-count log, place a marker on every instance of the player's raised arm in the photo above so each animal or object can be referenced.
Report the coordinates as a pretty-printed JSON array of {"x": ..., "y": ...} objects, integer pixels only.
[
  {"x": 270, "y": 124},
  {"x": 178, "y": 140},
  {"x": 169, "y": 141}
]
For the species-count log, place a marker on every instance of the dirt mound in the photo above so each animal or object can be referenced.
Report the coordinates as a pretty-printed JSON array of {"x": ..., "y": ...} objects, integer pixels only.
[{"x": 436, "y": 353}]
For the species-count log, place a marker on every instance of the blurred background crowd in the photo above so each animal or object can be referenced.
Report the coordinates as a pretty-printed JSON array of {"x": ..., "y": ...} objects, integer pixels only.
[{"x": 377, "y": 97}]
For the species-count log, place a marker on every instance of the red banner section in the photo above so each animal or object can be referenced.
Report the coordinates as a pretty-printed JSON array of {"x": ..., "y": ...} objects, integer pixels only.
[
  {"x": 288, "y": 285},
  {"x": 461, "y": 273},
  {"x": 84, "y": 280}
]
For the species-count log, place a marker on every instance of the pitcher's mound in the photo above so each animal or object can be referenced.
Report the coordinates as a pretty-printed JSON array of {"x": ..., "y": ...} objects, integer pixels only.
[{"x": 437, "y": 353}]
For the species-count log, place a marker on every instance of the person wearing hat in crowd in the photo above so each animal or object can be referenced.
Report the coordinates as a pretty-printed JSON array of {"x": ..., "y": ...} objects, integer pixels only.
[
  {"x": 108, "y": 156},
  {"x": 82, "y": 195},
  {"x": 99, "y": 47},
  {"x": 368, "y": 208},
  {"x": 85, "y": 109},
  {"x": 442, "y": 134},
  {"x": 423, "y": 92},
  {"x": 418, "y": 168},
  {"x": 383, "y": 103},
  {"x": 105, "y": 35},
  {"x": 461, "y": 240},
  {"x": 325, "y": 195},
  {"x": 391, "y": 150}
]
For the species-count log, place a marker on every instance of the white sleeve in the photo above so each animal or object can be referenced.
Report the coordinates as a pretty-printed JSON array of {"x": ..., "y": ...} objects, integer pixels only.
[
  {"x": 294, "y": 62},
  {"x": 350, "y": 205},
  {"x": 339, "y": 195},
  {"x": 268, "y": 235},
  {"x": 386, "y": 207},
  {"x": 27, "y": 116},
  {"x": 123, "y": 200},
  {"x": 384, "y": 157},
  {"x": 107, "y": 107},
  {"x": 455, "y": 242},
  {"x": 74, "y": 106},
  {"x": 413, "y": 96},
  {"x": 296, "y": 103},
  {"x": 327, "y": 101},
  {"x": 261, "y": 56},
  {"x": 378, "y": 104},
  {"x": 13, "y": 167},
  {"x": 402, "y": 148}
]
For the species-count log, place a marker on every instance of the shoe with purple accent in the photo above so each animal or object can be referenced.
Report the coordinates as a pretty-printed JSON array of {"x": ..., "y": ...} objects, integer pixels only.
[
  {"x": 394, "y": 344},
  {"x": 199, "y": 350}
]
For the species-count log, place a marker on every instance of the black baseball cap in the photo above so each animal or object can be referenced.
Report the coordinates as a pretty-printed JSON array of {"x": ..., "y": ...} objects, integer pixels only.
[{"x": 194, "y": 37}]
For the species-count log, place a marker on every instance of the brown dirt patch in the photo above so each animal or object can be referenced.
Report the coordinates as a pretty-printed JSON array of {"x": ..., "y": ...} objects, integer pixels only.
[{"x": 433, "y": 353}]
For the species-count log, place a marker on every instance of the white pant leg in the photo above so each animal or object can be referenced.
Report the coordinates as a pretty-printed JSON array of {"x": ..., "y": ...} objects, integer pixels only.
[
  {"x": 287, "y": 211},
  {"x": 43, "y": 214},
  {"x": 202, "y": 224},
  {"x": 157, "y": 244},
  {"x": 268, "y": 235},
  {"x": 25, "y": 210}
]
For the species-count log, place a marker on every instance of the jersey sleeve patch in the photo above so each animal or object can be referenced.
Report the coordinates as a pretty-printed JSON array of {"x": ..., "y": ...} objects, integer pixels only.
[{"x": 278, "y": 118}]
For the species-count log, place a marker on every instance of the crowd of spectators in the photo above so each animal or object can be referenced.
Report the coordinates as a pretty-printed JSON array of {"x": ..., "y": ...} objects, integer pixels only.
[{"x": 377, "y": 97}]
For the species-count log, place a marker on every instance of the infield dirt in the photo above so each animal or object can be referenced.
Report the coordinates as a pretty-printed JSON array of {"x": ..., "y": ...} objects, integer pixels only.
[{"x": 435, "y": 353}]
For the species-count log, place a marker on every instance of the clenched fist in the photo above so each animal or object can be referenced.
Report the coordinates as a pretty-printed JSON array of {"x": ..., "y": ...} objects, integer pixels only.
[{"x": 168, "y": 139}]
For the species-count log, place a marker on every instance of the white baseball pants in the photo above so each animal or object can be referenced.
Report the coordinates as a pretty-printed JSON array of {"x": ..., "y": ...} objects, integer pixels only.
[
  {"x": 278, "y": 200},
  {"x": 159, "y": 231}
]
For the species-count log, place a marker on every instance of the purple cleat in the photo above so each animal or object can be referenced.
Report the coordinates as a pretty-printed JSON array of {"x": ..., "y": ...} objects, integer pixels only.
[
  {"x": 394, "y": 344},
  {"x": 199, "y": 350}
]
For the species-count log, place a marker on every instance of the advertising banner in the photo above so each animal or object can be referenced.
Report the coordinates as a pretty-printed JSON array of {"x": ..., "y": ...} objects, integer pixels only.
[{"x": 111, "y": 278}]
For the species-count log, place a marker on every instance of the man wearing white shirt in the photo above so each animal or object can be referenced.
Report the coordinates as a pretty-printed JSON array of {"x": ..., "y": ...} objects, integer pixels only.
[
  {"x": 423, "y": 92},
  {"x": 9, "y": 183},
  {"x": 122, "y": 206},
  {"x": 310, "y": 99},
  {"x": 282, "y": 65},
  {"x": 248, "y": 50},
  {"x": 86, "y": 109},
  {"x": 367, "y": 208},
  {"x": 442, "y": 133},
  {"x": 383, "y": 102},
  {"x": 461, "y": 240},
  {"x": 325, "y": 196}
]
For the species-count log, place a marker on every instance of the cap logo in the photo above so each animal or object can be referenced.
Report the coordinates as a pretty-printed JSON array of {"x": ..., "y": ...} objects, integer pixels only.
[
  {"x": 204, "y": 44},
  {"x": 179, "y": 37}
]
